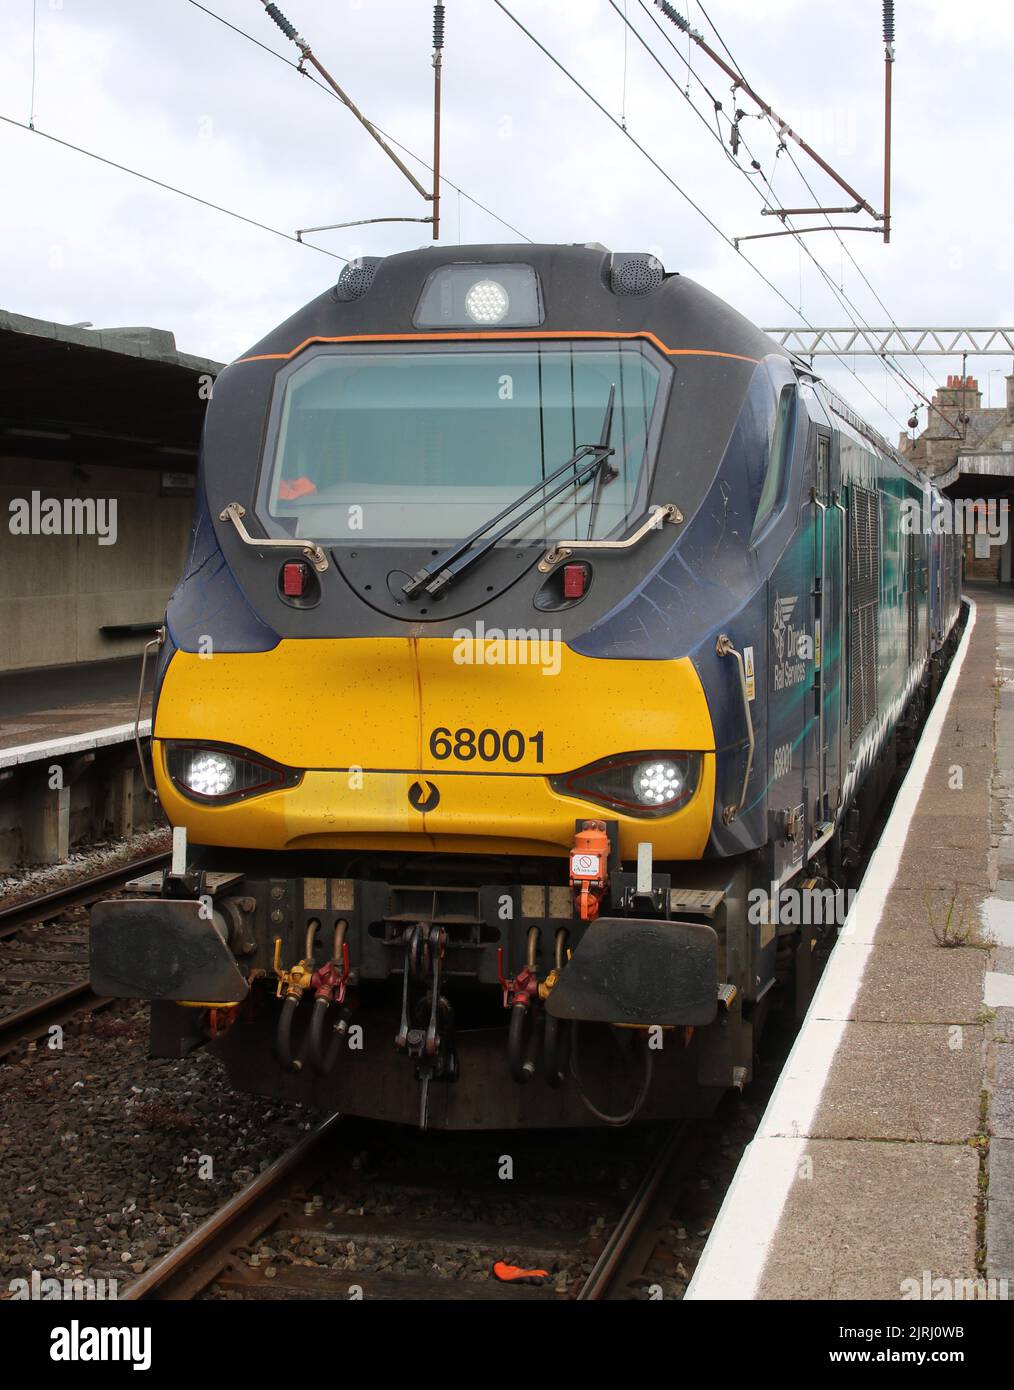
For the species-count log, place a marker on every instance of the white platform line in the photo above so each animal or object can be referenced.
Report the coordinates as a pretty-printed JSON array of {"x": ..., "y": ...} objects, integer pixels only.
[
  {"x": 998, "y": 990},
  {"x": 734, "y": 1258},
  {"x": 73, "y": 743}
]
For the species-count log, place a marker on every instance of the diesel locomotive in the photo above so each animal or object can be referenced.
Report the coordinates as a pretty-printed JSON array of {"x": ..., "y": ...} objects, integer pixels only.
[{"x": 541, "y": 619}]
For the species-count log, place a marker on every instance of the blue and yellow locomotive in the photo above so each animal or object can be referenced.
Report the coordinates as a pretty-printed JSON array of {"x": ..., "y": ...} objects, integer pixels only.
[{"x": 540, "y": 613}]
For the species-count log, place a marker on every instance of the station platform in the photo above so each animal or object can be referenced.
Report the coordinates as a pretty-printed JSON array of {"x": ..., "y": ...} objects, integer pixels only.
[
  {"x": 67, "y": 708},
  {"x": 79, "y": 719},
  {"x": 883, "y": 1167}
]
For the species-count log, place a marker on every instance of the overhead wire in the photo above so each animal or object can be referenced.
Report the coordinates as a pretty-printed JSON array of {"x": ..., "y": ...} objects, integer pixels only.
[
  {"x": 845, "y": 300},
  {"x": 321, "y": 86},
  {"x": 170, "y": 188},
  {"x": 669, "y": 179},
  {"x": 649, "y": 157},
  {"x": 809, "y": 188}
]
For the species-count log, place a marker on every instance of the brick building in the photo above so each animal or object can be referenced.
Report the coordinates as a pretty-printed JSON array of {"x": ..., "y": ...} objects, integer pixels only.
[{"x": 968, "y": 451}]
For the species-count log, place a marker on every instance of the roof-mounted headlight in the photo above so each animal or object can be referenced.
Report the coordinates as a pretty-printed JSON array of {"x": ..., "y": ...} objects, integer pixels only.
[
  {"x": 487, "y": 302},
  {"x": 485, "y": 296}
]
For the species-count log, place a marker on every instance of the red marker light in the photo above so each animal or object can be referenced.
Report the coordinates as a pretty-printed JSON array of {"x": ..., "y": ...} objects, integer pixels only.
[
  {"x": 575, "y": 581},
  {"x": 294, "y": 576}
]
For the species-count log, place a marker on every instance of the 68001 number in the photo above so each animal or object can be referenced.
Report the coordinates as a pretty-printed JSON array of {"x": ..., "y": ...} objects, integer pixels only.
[{"x": 488, "y": 745}]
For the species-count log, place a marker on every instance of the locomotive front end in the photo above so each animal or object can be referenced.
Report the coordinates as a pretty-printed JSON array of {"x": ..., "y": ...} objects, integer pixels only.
[{"x": 459, "y": 761}]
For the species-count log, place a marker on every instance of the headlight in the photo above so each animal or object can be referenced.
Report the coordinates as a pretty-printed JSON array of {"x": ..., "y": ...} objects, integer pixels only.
[
  {"x": 639, "y": 784},
  {"x": 466, "y": 294},
  {"x": 210, "y": 774},
  {"x": 656, "y": 784},
  {"x": 487, "y": 302},
  {"x": 223, "y": 774}
]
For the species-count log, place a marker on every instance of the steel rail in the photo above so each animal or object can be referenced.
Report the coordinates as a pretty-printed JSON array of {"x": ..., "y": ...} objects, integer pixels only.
[
  {"x": 605, "y": 1275},
  {"x": 36, "y": 1017},
  {"x": 195, "y": 1262},
  {"x": 46, "y": 906}
]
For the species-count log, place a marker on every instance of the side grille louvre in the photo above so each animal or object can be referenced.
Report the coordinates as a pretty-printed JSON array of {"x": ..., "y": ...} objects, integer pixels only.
[{"x": 864, "y": 603}]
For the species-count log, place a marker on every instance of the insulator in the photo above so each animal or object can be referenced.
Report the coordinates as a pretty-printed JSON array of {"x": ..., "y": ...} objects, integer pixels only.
[
  {"x": 438, "y": 26},
  {"x": 287, "y": 29},
  {"x": 671, "y": 13},
  {"x": 889, "y": 21}
]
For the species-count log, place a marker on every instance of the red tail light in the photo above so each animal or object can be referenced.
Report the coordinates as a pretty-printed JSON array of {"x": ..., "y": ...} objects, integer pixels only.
[
  {"x": 294, "y": 577},
  {"x": 575, "y": 581}
]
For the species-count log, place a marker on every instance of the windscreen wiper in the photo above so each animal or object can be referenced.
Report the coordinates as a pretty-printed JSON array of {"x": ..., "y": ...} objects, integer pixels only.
[{"x": 436, "y": 576}]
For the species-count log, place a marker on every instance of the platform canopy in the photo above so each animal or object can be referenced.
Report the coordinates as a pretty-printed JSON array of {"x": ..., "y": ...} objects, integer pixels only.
[{"x": 117, "y": 396}]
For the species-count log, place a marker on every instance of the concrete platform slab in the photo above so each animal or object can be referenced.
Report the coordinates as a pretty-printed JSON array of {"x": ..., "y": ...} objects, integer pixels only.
[
  {"x": 1001, "y": 1110},
  {"x": 871, "y": 1215},
  {"x": 911, "y": 914},
  {"x": 903, "y": 1081},
  {"x": 38, "y": 706},
  {"x": 1000, "y": 1210},
  {"x": 922, "y": 984},
  {"x": 932, "y": 833},
  {"x": 944, "y": 870}
]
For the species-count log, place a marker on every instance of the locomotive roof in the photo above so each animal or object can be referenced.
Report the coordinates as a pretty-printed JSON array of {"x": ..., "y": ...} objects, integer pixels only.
[{"x": 578, "y": 295}]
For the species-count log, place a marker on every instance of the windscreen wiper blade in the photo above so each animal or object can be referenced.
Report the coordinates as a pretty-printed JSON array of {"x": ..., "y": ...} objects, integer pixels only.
[{"x": 435, "y": 576}]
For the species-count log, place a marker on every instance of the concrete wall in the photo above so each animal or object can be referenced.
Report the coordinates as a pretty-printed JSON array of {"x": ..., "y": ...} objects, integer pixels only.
[
  {"x": 100, "y": 793},
  {"x": 56, "y": 592}
]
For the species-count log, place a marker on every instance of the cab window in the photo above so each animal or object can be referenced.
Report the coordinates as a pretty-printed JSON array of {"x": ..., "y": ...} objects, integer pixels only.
[{"x": 778, "y": 459}]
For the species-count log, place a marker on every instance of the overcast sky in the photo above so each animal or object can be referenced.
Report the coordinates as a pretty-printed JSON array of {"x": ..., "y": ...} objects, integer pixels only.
[{"x": 166, "y": 89}]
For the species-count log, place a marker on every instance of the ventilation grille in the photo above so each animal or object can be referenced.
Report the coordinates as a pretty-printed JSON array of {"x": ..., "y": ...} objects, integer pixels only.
[
  {"x": 864, "y": 603},
  {"x": 917, "y": 585},
  {"x": 635, "y": 273},
  {"x": 952, "y": 568},
  {"x": 356, "y": 278}
]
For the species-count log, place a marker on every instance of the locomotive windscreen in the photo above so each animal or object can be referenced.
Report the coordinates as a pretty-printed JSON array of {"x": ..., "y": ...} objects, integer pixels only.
[{"x": 430, "y": 442}]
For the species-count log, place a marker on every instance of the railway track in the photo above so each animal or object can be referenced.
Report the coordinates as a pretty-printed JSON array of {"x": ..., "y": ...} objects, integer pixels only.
[
  {"x": 278, "y": 1209},
  {"x": 43, "y": 943}
]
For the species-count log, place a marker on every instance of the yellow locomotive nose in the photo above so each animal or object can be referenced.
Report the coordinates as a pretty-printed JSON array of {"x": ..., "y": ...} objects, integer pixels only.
[{"x": 448, "y": 744}]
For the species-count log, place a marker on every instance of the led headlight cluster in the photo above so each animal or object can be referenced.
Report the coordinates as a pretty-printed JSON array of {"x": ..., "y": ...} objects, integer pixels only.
[
  {"x": 487, "y": 302},
  {"x": 470, "y": 294},
  {"x": 657, "y": 784},
  {"x": 638, "y": 784},
  {"x": 210, "y": 774},
  {"x": 219, "y": 775}
]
